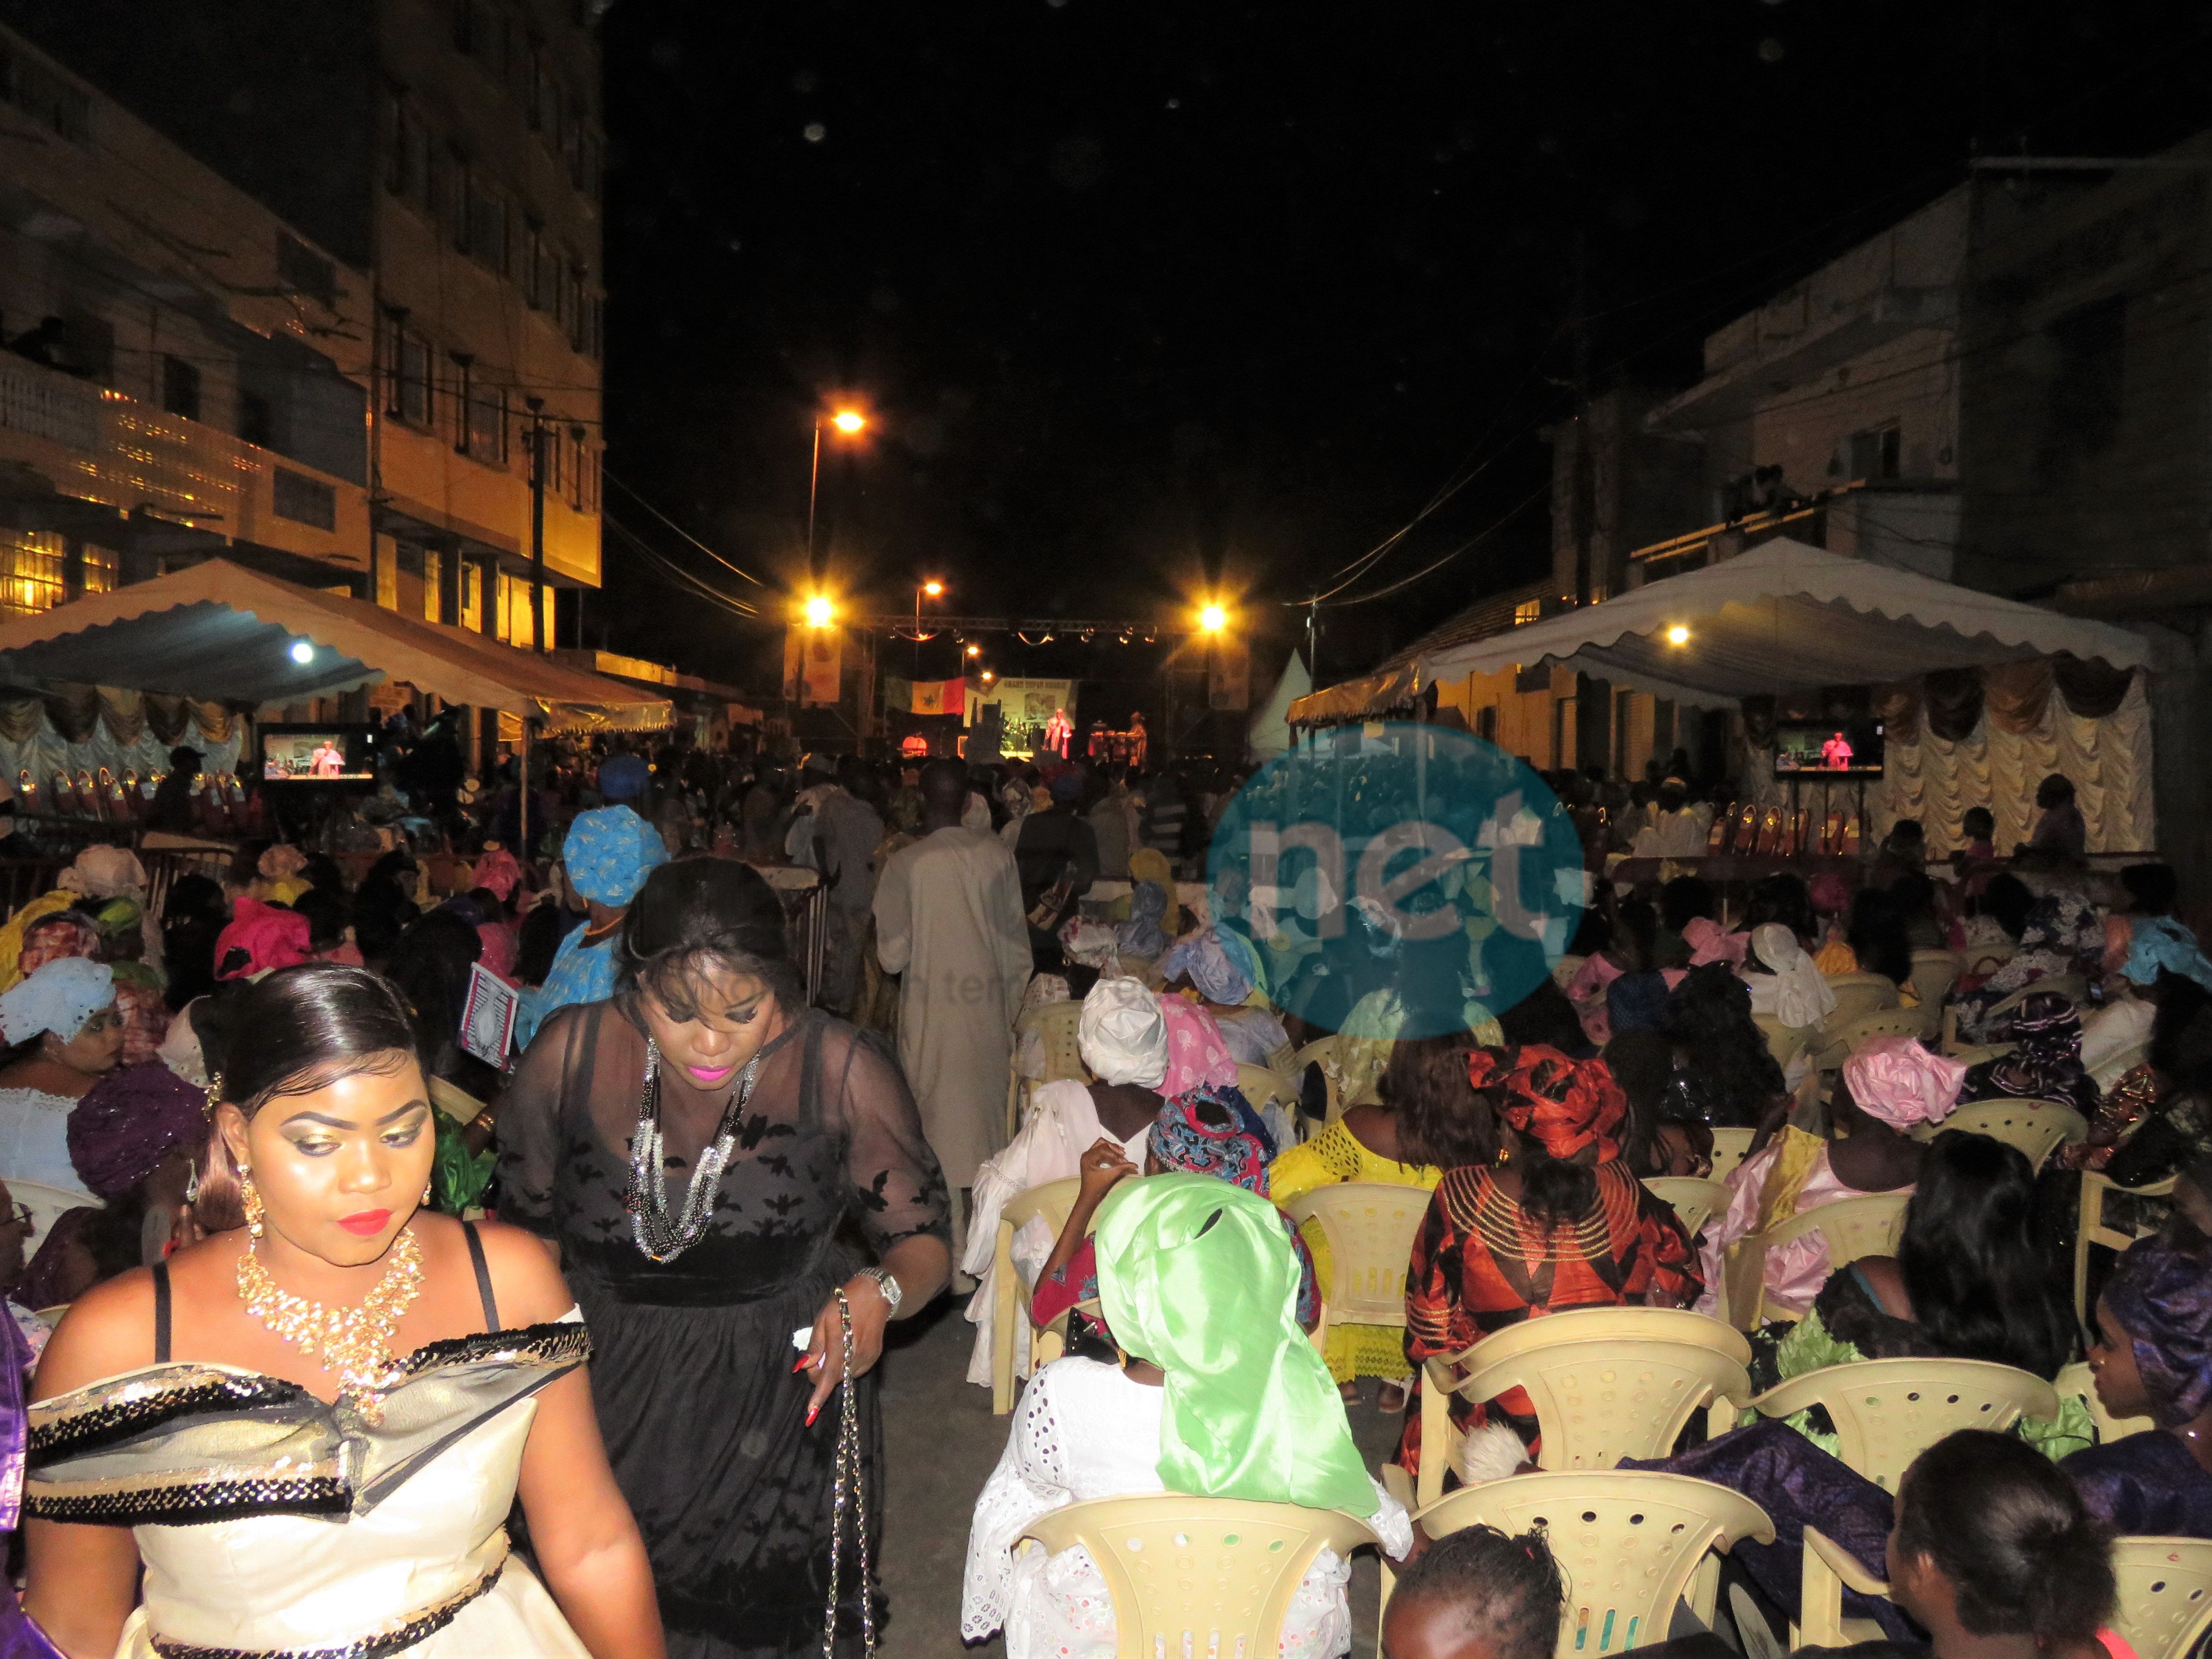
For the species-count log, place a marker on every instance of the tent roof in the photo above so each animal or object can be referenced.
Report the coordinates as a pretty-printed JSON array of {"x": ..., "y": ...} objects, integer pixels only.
[
  {"x": 219, "y": 630},
  {"x": 1268, "y": 732},
  {"x": 1785, "y": 615}
]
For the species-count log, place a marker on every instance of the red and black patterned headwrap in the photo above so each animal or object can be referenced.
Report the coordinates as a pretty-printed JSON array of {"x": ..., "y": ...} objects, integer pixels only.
[{"x": 1563, "y": 1105}]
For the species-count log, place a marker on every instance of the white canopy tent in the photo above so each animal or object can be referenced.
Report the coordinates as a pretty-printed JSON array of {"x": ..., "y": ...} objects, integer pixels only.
[
  {"x": 1784, "y": 616},
  {"x": 220, "y": 631},
  {"x": 1269, "y": 734}
]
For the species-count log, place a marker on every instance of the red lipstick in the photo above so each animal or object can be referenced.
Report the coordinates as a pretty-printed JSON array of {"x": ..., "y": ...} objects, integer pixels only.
[{"x": 367, "y": 1222}]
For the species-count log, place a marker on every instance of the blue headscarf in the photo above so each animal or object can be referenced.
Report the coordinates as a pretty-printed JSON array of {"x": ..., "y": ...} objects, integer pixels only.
[
  {"x": 59, "y": 998},
  {"x": 1219, "y": 964},
  {"x": 1142, "y": 935},
  {"x": 2160, "y": 941},
  {"x": 623, "y": 777},
  {"x": 610, "y": 851}
]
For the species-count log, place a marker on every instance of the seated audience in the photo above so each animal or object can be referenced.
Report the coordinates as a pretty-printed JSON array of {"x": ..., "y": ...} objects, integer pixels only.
[
  {"x": 2045, "y": 1062},
  {"x": 1664, "y": 1134},
  {"x": 1219, "y": 965},
  {"x": 64, "y": 1034},
  {"x": 1969, "y": 1281},
  {"x": 1879, "y": 942},
  {"x": 1378, "y": 1144},
  {"x": 1214, "y": 1392},
  {"x": 2157, "y": 1119},
  {"x": 192, "y": 918},
  {"x": 1728, "y": 1074},
  {"x": 1687, "y": 906},
  {"x": 1477, "y": 1594},
  {"x": 1554, "y": 1190},
  {"x": 2061, "y": 936},
  {"x": 1888, "y": 1087}
]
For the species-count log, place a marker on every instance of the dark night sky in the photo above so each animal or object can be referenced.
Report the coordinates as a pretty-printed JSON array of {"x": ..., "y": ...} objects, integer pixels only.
[{"x": 1141, "y": 291}]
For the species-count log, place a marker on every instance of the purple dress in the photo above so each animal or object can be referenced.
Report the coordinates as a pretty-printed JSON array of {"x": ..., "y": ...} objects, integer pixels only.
[{"x": 2143, "y": 1483}]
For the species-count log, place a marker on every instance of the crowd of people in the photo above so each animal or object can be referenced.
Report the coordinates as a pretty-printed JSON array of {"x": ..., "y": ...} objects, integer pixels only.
[{"x": 337, "y": 1325}]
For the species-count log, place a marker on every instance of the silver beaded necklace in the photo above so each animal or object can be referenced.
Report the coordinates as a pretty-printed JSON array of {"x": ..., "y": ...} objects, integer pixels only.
[{"x": 657, "y": 1237}]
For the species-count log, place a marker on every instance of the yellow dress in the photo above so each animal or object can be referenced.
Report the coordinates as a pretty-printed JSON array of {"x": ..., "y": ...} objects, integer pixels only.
[{"x": 1337, "y": 1155}]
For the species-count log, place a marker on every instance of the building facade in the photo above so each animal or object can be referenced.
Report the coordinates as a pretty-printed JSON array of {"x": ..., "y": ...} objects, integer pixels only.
[{"x": 420, "y": 183}]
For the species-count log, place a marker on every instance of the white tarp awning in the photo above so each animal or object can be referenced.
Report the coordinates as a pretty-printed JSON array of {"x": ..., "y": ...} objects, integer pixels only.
[
  {"x": 221, "y": 631},
  {"x": 1783, "y": 617}
]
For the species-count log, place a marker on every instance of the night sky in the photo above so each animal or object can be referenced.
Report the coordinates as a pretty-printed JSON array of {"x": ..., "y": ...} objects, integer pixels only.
[{"x": 1147, "y": 296}]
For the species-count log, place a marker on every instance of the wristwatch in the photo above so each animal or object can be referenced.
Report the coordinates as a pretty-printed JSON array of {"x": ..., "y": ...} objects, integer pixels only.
[{"x": 892, "y": 1293}]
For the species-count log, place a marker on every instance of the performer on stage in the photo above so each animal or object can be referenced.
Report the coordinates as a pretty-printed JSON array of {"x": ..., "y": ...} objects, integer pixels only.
[{"x": 308, "y": 1430}]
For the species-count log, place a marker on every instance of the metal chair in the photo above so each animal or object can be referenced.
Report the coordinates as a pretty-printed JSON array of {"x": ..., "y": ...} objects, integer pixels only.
[
  {"x": 1851, "y": 1227},
  {"x": 2037, "y": 1127},
  {"x": 1693, "y": 1200},
  {"x": 1887, "y": 1412},
  {"x": 2090, "y": 1228},
  {"x": 1606, "y": 1383},
  {"x": 1199, "y": 1575},
  {"x": 1630, "y": 1543}
]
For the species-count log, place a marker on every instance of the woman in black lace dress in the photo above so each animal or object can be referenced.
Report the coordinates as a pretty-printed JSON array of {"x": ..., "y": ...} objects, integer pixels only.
[{"x": 714, "y": 1437}]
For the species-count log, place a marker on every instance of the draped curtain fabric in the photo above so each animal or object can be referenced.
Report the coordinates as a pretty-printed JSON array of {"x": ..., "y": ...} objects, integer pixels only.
[
  {"x": 77, "y": 728},
  {"x": 2021, "y": 735}
]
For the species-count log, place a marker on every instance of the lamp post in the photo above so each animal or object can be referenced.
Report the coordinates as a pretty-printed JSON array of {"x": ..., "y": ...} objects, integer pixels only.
[
  {"x": 934, "y": 589},
  {"x": 851, "y": 422}
]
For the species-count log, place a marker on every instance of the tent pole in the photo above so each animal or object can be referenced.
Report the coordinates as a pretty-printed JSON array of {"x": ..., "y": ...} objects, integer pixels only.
[{"x": 522, "y": 797}]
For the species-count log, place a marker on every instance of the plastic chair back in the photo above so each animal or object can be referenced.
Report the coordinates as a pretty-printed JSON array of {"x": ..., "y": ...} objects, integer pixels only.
[
  {"x": 1851, "y": 1227},
  {"x": 1628, "y": 1543},
  {"x": 1611, "y": 1382},
  {"x": 2037, "y": 1127},
  {"x": 1199, "y": 1576},
  {"x": 1693, "y": 1200},
  {"x": 1887, "y": 1412},
  {"x": 1934, "y": 974},
  {"x": 2090, "y": 1229},
  {"x": 1730, "y": 1148},
  {"x": 1857, "y": 994},
  {"x": 1782, "y": 1041},
  {"x": 1844, "y": 1040},
  {"x": 1259, "y": 1085},
  {"x": 1054, "y": 1201},
  {"x": 1323, "y": 1052},
  {"x": 1369, "y": 1226},
  {"x": 1829, "y": 1569},
  {"x": 45, "y": 1205},
  {"x": 2165, "y": 1594},
  {"x": 2078, "y": 1381},
  {"x": 1056, "y": 1026},
  {"x": 2119, "y": 1065}
]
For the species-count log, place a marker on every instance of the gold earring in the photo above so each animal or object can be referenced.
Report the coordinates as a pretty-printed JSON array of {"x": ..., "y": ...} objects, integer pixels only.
[
  {"x": 428, "y": 1187},
  {"x": 214, "y": 1096},
  {"x": 250, "y": 1198}
]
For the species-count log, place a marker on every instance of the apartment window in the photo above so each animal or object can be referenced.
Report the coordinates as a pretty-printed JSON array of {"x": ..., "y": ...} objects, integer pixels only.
[
  {"x": 598, "y": 339},
  {"x": 473, "y": 597},
  {"x": 433, "y": 580},
  {"x": 305, "y": 500},
  {"x": 1526, "y": 611},
  {"x": 415, "y": 402},
  {"x": 181, "y": 387},
  {"x": 534, "y": 260},
  {"x": 300, "y": 268},
  {"x": 461, "y": 188},
  {"x": 31, "y": 571},
  {"x": 1486, "y": 722},
  {"x": 103, "y": 567},
  {"x": 584, "y": 488},
  {"x": 256, "y": 420},
  {"x": 408, "y": 169},
  {"x": 488, "y": 228},
  {"x": 486, "y": 438},
  {"x": 579, "y": 310},
  {"x": 1875, "y": 452}
]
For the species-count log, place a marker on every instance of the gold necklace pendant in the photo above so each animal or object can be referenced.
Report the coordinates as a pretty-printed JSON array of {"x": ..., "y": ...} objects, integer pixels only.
[{"x": 355, "y": 1343}]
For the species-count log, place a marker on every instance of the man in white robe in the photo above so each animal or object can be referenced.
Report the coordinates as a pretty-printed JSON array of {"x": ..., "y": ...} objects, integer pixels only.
[{"x": 949, "y": 918}]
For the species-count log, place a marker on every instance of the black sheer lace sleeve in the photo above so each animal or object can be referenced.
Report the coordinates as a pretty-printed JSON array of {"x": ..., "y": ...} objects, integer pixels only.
[
  {"x": 529, "y": 1132},
  {"x": 896, "y": 1180}
]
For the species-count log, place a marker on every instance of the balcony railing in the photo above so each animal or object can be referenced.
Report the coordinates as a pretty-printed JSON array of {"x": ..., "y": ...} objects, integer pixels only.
[{"x": 128, "y": 455}]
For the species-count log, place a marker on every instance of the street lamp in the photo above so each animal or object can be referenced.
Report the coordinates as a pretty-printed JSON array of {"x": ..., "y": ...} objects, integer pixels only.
[
  {"x": 1213, "y": 619},
  {"x": 851, "y": 422},
  {"x": 818, "y": 611},
  {"x": 975, "y": 650}
]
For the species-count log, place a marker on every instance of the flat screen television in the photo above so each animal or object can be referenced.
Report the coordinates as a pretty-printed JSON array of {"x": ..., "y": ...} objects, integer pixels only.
[
  {"x": 327, "y": 753},
  {"x": 1847, "y": 747}
]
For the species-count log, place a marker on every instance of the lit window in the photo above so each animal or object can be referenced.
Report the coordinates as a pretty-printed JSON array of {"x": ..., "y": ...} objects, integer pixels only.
[{"x": 1528, "y": 611}]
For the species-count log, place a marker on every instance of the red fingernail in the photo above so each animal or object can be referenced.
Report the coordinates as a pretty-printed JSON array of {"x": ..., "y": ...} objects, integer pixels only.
[
  {"x": 811, "y": 1412},
  {"x": 800, "y": 1366}
]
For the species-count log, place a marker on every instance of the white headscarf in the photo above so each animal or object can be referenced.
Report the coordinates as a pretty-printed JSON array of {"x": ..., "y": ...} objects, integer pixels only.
[
  {"x": 1123, "y": 1035},
  {"x": 60, "y": 996},
  {"x": 1802, "y": 993}
]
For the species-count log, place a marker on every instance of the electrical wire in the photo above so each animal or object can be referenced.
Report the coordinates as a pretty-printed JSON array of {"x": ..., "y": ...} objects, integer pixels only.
[
  {"x": 670, "y": 571},
  {"x": 631, "y": 490},
  {"x": 1495, "y": 524}
]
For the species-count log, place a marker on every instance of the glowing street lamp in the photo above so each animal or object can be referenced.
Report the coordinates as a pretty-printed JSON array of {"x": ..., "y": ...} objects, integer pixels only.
[
  {"x": 851, "y": 422},
  {"x": 818, "y": 611},
  {"x": 1213, "y": 618},
  {"x": 975, "y": 650},
  {"x": 932, "y": 588}
]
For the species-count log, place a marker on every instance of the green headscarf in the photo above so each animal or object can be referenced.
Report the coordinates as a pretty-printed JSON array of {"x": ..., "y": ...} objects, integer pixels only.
[{"x": 1199, "y": 1277}]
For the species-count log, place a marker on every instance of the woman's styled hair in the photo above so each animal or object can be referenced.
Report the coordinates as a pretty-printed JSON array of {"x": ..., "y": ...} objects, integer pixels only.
[
  {"x": 1736, "y": 1076},
  {"x": 297, "y": 1030},
  {"x": 1785, "y": 899},
  {"x": 1877, "y": 937},
  {"x": 1507, "y": 1590},
  {"x": 1979, "y": 1284},
  {"x": 1642, "y": 1064},
  {"x": 2022, "y": 1554},
  {"x": 1442, "y": 1121},
  {"x": 697, "y": 916},
  {"x": 429, "y": 968},
  {"x": 2008, "y": 899},
  {"x": 1685, "y": 898}
]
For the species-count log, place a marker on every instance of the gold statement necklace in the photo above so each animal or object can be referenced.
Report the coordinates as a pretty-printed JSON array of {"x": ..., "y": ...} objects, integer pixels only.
[{"x": 356, "y": 1343}]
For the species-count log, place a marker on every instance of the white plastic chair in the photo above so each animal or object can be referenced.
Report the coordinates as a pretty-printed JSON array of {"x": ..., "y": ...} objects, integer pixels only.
[
  {"x": 1829, "y": 1569},
  {"x": 1693, "y": 1200},
  {"x": 1730, "y": 1148},
  {"x": 2165, "y": 1594},
  {"x": 2090, "y": 1228},
  {"x": 1887, "y": 1412},
  {"x": 2078, "y": 1381},
  {"x": 1200, "y": 1576},
  {"x": 1606, "y": 1383},
  {"x": 1851, "y": 1227},
  {"x": 1934, "y": 974},
  {"x": 2036, "y": 1127},
  {"x": 1053, "y": 1200},
  {"x": 1629, "y": 1544},
  {"x": 1369, "y": 1226},
  {"x": 1840, "y": 1041}
]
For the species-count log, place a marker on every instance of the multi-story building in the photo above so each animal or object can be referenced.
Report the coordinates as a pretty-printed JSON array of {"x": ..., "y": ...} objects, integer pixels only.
[{"x": 436, "y": 166}]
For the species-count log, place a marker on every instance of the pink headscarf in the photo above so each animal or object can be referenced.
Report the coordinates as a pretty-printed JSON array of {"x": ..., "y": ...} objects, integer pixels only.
[
  {"x": 497, "y": 872},
  {"x": 1900, "y": 1083},
  {"x": 272, "y": 937},
  {"x": 1709, "y": 942},
  {"x": 1196, "y": 1053}
]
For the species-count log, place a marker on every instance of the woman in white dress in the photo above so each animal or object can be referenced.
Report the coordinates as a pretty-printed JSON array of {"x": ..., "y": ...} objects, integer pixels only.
[
  {"x": 1217, "y": 1394},
  {"x": 64, "y": 1033},
  {"x": 309, "y": 1432}
]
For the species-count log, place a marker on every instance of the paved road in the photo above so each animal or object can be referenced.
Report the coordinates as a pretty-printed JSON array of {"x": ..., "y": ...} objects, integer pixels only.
[{"x": 942, "y": 1442}]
